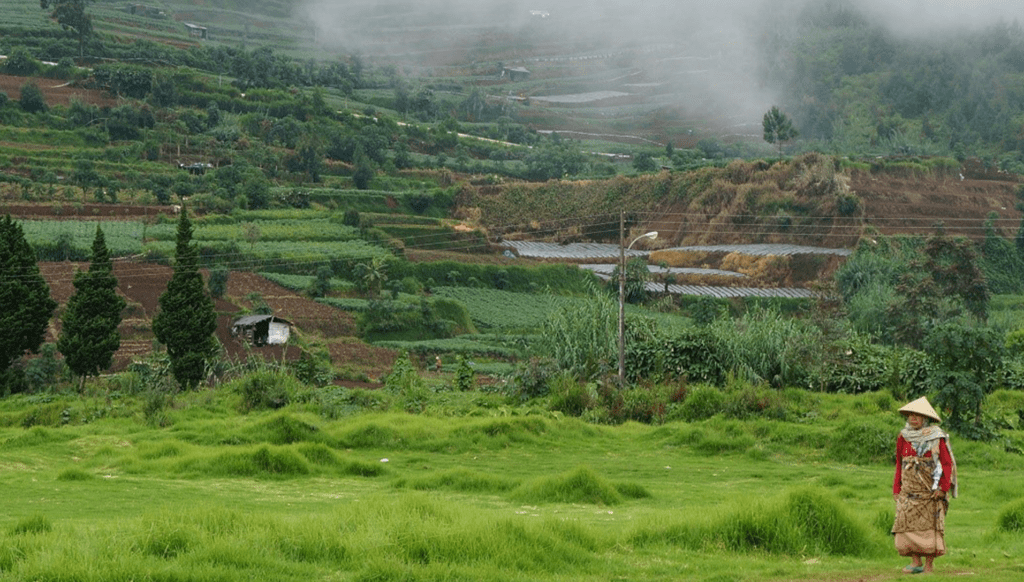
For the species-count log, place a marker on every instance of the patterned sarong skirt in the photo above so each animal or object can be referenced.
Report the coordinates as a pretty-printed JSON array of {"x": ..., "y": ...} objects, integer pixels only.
[{"x": 920, "y": 520}]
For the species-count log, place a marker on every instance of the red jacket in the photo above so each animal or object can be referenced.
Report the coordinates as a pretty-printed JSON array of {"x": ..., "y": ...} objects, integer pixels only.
[{"x": 905, "y": 449}]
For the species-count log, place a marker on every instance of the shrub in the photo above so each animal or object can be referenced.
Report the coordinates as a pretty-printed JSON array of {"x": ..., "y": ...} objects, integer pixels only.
[
  {"x": 32, "y": 100},
  {"x": 218, "y": 283},
  {"x": 1011, "y": 517},
  {"x": 465, "y": 377},
  {"x": 753, "y": 400},
  {"x": 703, "y": 401},
  {"x": 571, "y": 397},
  {"x": 530, "y": 379},
  {"x": 641, "y": 405},
  {"x": 266, "y": 389}
]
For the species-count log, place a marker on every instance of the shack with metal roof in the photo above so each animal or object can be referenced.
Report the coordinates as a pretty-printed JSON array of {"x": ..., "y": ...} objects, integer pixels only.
[{"x": 260, "y": 330}]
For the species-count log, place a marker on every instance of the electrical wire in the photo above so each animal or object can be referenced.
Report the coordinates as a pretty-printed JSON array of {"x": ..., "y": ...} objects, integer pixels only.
[{"x": 595, "y": 226}]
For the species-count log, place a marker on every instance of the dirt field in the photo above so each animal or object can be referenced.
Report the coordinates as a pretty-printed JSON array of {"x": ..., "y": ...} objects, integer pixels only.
[
  {"x": 142, "y": 284},
  {"x": 55, "y": 91},
  {"x": 905, "y": 205}
]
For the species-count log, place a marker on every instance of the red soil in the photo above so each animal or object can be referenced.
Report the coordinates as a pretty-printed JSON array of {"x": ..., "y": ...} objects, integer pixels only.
[
  {"x": 141, "y": 284},
  {"x": 55, "y": 91}
]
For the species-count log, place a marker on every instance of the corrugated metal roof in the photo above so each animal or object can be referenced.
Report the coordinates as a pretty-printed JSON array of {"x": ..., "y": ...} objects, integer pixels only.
[{"x": 254, "y": 319}]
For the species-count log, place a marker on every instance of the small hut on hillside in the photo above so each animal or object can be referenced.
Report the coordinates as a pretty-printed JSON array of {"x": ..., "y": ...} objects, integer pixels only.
[
  {"x": 196, "y": 31},
  {"x": 515, "y": 73},
  {"x": 261, "y": 330}
]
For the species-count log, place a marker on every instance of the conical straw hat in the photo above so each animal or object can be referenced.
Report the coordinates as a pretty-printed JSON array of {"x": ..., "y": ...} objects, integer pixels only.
[{"x": 922, "y": 407}]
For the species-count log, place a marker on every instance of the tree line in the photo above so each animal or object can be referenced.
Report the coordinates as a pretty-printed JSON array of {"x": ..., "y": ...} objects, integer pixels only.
[
  {"x": 854, "y": 84},
  {"x": 88, "y": 336}
]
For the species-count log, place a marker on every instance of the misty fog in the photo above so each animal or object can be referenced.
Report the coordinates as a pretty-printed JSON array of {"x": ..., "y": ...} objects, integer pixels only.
[{"x": 700, "y": 56}]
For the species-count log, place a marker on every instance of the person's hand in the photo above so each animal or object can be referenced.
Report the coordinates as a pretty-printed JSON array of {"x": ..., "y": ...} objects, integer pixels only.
[
  {"x": 938, "y": 494},
  {"x": 896, "y": 497}
]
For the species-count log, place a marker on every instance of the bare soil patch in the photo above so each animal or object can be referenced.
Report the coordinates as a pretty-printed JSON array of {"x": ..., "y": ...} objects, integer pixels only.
[
  {"x": 83, "y": 211},
  {"x": 141, "y": 284},
  {"x": 56, "y": 91},
  {"x": 910, "y": 205}
]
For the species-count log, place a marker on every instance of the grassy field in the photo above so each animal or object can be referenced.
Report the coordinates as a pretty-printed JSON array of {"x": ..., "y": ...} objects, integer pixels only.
[{"x": 114, "y": 488}]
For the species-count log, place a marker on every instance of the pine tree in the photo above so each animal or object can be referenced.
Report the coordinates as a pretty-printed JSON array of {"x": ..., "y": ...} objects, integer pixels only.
[
  {"x": 778, "y": 128},
  {"x": 24, "y": 295},
  {"x": 186, "y": 320},
  {"x": 88, "y": 336}
]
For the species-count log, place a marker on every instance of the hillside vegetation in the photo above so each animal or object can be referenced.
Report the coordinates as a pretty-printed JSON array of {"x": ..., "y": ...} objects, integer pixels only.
[{"x": 448, "y": 406}]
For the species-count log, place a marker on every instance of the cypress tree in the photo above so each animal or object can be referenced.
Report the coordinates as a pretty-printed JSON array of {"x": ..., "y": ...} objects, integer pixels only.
[
  {"x": 88, "y": 336},
  {"x": 186, "y": 320},
  {"x": 25, "y": 303}
]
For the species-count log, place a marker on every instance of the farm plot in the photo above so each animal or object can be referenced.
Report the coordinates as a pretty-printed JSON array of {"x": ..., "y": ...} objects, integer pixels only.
[
  {"x": 317, "y": 229},
  {"x": 123, "y": 237},
  {"x": 495, "y": 310}
]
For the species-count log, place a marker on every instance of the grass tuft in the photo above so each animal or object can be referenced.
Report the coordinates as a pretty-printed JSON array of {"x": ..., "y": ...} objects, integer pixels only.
[
  {"x": 581, "y": 485},
  {"x": 1011, "y": 517},
  {"x": 284, "y": 429},
  {"x": 803, "y": 522},
  {"x": 74, "y": 474},
  {"x": 459, "y": 480},
  {"x": 263, "y": 462},
  {"x": 33, "y": 524}
]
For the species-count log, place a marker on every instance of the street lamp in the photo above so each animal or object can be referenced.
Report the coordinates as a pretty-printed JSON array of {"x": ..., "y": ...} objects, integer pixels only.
[{"x": 622, "y": 300}]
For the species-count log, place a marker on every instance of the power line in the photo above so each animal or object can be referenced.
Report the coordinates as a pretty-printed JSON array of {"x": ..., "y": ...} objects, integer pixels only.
[{"x": 595, "y": 226}]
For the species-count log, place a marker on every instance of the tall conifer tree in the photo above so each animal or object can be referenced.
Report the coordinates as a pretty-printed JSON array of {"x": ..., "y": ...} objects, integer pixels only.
[
  {"x": 25, "y": 303},
  {"x": 88, "y": 335},
  {"x": 186, "y": 320}
]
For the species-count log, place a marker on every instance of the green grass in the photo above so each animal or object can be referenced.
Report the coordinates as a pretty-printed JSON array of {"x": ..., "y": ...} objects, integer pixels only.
[{"x": 480, "y": 492}]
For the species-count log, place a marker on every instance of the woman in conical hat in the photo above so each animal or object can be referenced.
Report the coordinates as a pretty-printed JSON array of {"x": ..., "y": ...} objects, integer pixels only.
[{"x": 925, "y": 478}]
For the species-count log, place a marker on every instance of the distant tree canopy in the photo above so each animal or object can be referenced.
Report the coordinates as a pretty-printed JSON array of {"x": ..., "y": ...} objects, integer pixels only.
[
  {"x": 71, "y": 16},
  {"x": 848, "y": 79}
]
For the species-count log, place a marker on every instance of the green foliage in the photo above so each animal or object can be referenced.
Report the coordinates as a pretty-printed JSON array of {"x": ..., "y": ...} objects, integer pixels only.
[
  {"x": 386, "y": 319},
  {"x": 778, "y": 127},
  {"x": 1011, "y": 517},
  {"x": 321, "y": 284},
  {"x": 465, "y": 377},
  {"x": 71, "y": 16},
  {"x": 265, "y": 389},
  {"x": 801, "y": 521},
  {"x": 33, "y": 524},
  {"x": 702, "y": 402},
  {"x": 581, "y": 485},
  {"x": 404, "y": 381},
  {"x": 531, "y": 378},
  {"x": 218, "y": 283},
  {"x": 560, "y": 279},
  {"x": 572, "y": 397},
  {"x": 186, "y": 320},
  {"x": 496, "y": 310},
  {"x": 1000, "y": 262},
  {"x": 635, "y": 285},
  {"x": 45, "y": 372},
  {"x": 695, "y": 354},
  {"x": 313, "y": 369},
  {"x": 853, "y": 365},
  {"x": 20, "y": 63},
  {"x": 31, "y": 99},
  {"x": 89, "y": 336},
  {"x": 960, "y": 383},
  {"x": 582, "y": 339},
  {"x": 24, "y": 293}
]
